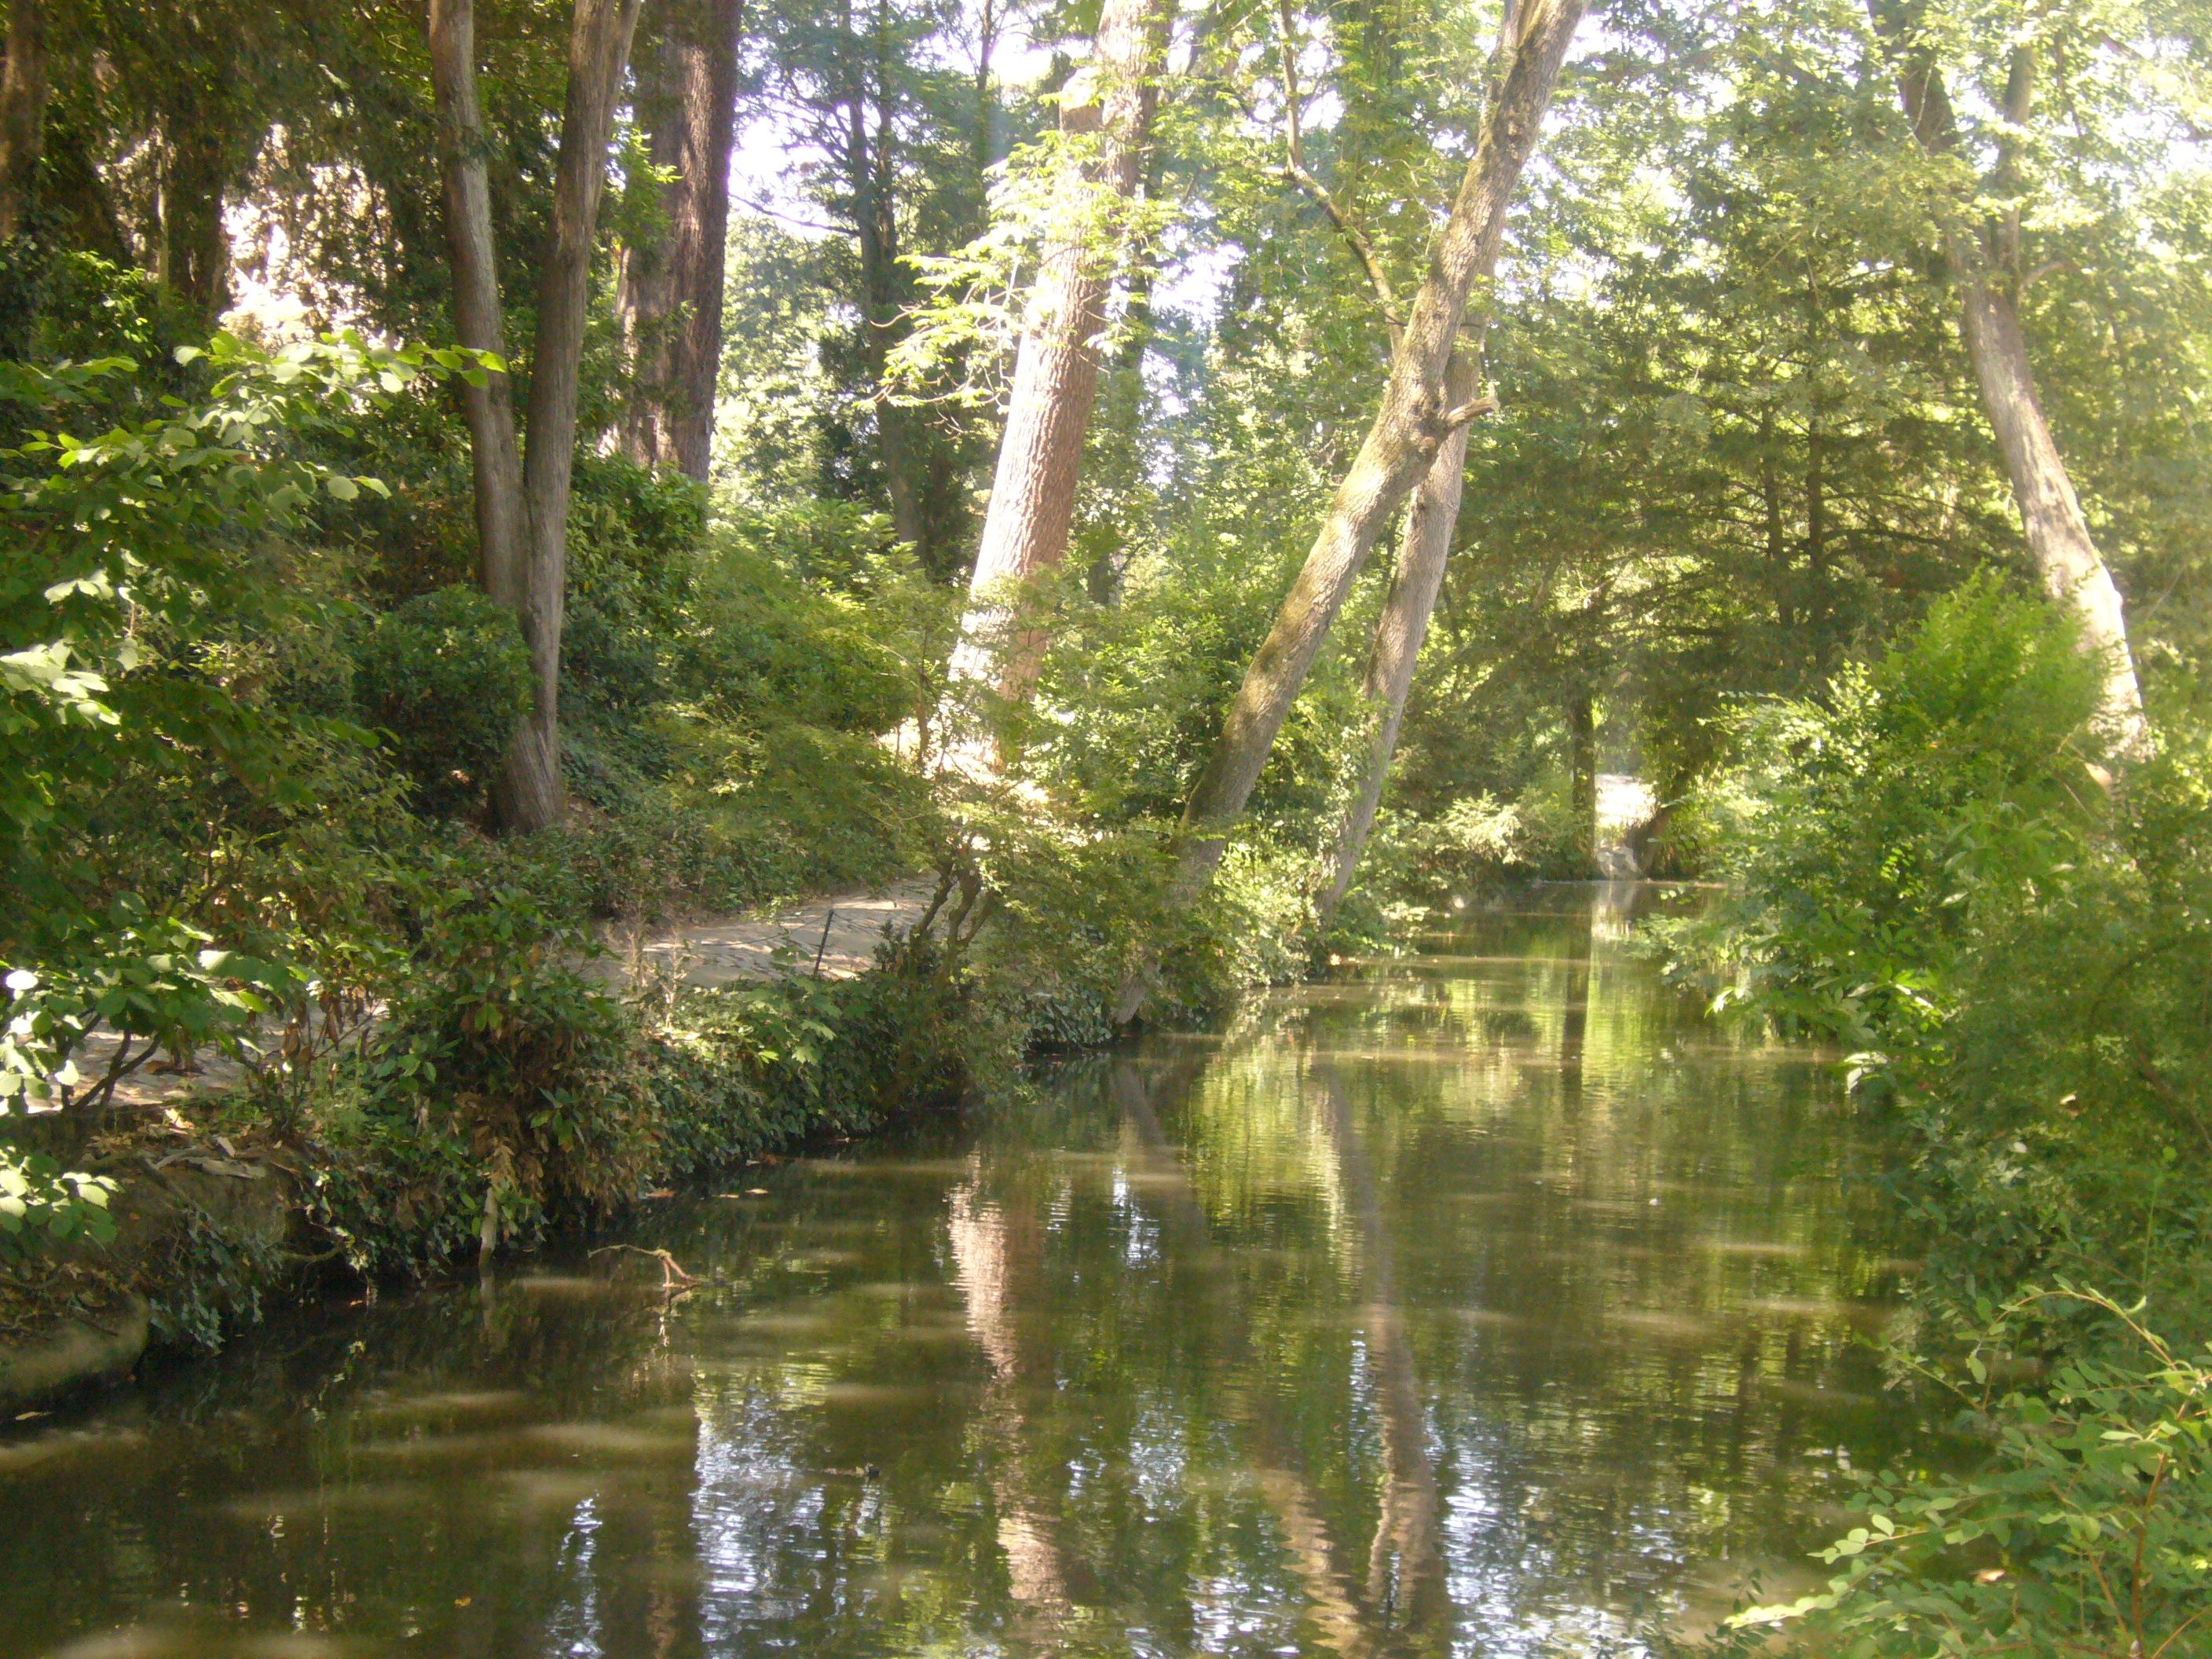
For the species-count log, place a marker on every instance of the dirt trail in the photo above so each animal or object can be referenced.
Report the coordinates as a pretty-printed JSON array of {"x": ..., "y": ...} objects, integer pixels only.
[{"x": 841, "y": 929}]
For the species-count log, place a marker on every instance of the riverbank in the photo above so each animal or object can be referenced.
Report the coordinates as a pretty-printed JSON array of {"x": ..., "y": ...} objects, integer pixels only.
[{"x": 565, "y": 1104}]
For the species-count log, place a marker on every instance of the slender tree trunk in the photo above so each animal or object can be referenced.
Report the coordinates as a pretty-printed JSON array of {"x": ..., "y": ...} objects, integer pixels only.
[
  {"x": 1108, "y": 105},
  {"x": 522, "y": 513},
  {"x": 1819, "y": 613},
  {"x": 875, "y": 224},
  {"x": 598, "y": 50},
  {"x": 479, "y": 321},
  {"x": 1424, "y": 548},
  {"x": 985, "y": 138},
  {"x": 197, "y": 248},
  {"x": 671, "y": 293},
  {"x": 1984, "y": 263},
  {"x": 23, "y": 112},
  {"x": 2073, "y": 572},
  {"x": 1401, "y": 446},
  {"x": 1582, "y": 767},
  {"x": 1777, "y": 541}
]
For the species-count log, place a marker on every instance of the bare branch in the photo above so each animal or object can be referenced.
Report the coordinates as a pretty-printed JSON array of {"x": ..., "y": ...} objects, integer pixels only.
[{"x": 1295, "y": 170}]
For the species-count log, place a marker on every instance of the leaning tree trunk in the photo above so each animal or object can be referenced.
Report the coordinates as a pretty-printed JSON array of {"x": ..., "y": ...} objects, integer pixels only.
[
  {"x": 522, "y": 509},
  {"x": 1106, "y": 113},
  {"x": 1401, "y": 446},
  {"x": 23, "y": 112},
  {"x": 2059, "y": 539},
  {"x": 671, "y": 292},
  {"x": 1423, "y": 549},
  {"x": 1984, "y": 262}
]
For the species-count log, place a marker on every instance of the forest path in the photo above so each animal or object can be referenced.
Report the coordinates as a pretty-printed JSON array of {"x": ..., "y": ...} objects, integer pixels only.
[{"x": 839, "y": 931}]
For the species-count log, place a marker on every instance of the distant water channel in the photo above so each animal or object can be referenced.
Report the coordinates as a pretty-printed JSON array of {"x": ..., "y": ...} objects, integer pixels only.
[{"x": 1480, "y": 1301}]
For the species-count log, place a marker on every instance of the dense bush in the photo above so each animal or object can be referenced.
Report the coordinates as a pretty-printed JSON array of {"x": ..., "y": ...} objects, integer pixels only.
[
  {"x": 1928, "y": 869},
  {"x": 446, "y": 677}
]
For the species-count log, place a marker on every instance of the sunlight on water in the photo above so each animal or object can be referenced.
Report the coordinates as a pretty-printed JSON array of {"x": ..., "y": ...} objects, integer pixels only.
[{"x": 1481, "y": 1302}]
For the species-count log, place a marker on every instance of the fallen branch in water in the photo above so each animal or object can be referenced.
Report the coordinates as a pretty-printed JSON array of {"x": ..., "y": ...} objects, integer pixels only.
[{"x": 673, "y": 1278}]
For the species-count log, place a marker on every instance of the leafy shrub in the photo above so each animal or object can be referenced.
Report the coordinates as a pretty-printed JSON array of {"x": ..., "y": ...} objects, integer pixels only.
[
  {"x": 748, "y": 1068},
  {"x": 448, "y": 676},
  {"x": 2024, "y": 962},
  {"x": 766, "y": 643},
  {"x": 498, "y": 1041},
  {"x": 2088, "y": 1533},
  {"x": 1877, "y": 829}
]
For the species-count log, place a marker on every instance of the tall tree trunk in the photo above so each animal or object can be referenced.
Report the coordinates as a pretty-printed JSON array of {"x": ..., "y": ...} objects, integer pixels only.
[
  {"x": 1107, "y": 105},
  {"x": 1408, "y": 430},
  {"x": 1777, "y": 542},
  {"x": 1424, "y": 548},
  {"x": 1582, "y": 768},
  {"x": 671, "y": 293},
  {"x": 522, "y": 513},
  {"x": 23, "y": 112},
  {"x": 479, "y": 321},
  {"x": 195, "y": 260},
  {"x": 1819, "y": 613},
  {"x": 875, "y": 224},
  {"x": 2066, "y": 558},
  {"x": 1984, "y": 263}
]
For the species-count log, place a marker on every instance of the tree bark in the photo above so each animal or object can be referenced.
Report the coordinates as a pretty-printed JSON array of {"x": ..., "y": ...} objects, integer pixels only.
[
  {"x": 22, "y": 113},
  {"x": 1107, "y": 109},
  {"x": 522, "y": 513},
  {"x": 196, "y": 247},
  {"x": 875, "y": 224},
  {"x": 1423, "y": 549},
  {"x": 672, "y": 292},
  {"x": 1581, "y": 768},
  {"x": 1984, "y": 262},
  {"x": 2066, "y": 558},
  {"x": 1780, "y": 565},
  {"x": 479, "y": 322},
  {"x": 1411, "y": 426}
]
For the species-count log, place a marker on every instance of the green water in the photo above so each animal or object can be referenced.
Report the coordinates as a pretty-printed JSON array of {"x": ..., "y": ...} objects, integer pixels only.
[{"x": 1481, "y": 1302}]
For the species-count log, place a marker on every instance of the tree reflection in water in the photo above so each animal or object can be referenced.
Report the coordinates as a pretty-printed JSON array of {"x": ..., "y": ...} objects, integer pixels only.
[{"x": 1481, "y": 1301}]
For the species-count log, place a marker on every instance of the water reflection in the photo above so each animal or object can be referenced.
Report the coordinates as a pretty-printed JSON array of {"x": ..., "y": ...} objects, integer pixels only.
[{"x": 1483, "y": 1302}]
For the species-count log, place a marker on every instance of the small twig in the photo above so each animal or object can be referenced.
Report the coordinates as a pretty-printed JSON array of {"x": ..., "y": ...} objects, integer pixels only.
[{"x": 824, "y": 944}]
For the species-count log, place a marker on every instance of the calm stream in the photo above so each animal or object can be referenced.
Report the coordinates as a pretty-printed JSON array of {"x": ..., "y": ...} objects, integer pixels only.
[{"x": 1482, "y": 1301}]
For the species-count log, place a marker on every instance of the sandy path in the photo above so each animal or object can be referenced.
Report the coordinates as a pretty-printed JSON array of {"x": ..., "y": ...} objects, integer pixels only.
[{"x": 843, "y": 929}]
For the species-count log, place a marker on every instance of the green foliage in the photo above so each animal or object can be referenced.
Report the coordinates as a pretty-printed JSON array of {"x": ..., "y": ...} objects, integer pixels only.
[
  {"x": 2090, "y": 1531},
  {"x": 135, "y": 602},
  {"x": 1928, "y": 870},
  {"x": 504, "y": 1045},
  {"x": 41, "y": 1204},
  {"x": 447, "y": 676},
  {"x": 1882, "y": 829}
]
